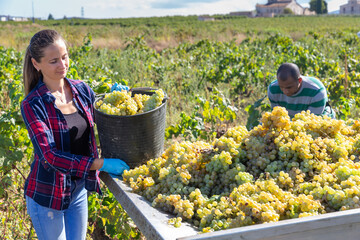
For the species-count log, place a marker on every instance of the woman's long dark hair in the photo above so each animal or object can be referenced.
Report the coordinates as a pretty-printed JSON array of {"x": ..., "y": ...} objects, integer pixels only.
[{"x": 38, "y": 42}]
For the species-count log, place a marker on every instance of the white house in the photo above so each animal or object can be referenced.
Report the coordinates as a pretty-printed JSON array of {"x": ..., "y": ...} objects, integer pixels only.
[
  {"x": 352, "y": 7},
  {"x": 276, "y": 7},
  {"x": 4, "y": 18}
]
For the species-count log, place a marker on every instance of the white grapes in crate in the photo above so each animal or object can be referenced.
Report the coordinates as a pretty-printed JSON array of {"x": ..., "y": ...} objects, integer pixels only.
[{"x": 121, "y": 103}]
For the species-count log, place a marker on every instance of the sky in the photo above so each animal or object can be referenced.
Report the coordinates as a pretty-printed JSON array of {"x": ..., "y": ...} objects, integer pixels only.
[{"x": 132, "y": 8}]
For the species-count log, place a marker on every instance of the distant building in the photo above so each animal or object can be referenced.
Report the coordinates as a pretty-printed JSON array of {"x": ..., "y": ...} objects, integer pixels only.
[
  {"x": 276, "y": 7},
  {"x": 352, "y": 7},
  {"x": 4, "y": 18},
  {"x": 206, "y": 18},
  {"x": 245, "y": 13},
  {"x": 18, "y": 19},
  {"x": 308, "y": 12}
]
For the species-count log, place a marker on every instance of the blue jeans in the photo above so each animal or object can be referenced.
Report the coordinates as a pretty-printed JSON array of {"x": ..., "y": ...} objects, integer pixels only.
[{"x": 69, "y": 224}]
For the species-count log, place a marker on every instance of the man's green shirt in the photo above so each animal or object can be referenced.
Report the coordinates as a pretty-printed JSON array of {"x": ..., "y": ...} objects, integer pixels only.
[{"x": 311, "y": 96}]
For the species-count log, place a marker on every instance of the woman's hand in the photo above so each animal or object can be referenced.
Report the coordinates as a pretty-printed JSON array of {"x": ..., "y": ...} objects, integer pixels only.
[
  {"x": 97, "y": 164},
  {"x": 119, "y": 87},
  {"x": 114, "y": 166}
]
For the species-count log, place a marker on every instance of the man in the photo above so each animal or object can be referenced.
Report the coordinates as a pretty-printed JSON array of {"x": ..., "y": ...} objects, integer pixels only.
[{"x": 298, "y": 93}]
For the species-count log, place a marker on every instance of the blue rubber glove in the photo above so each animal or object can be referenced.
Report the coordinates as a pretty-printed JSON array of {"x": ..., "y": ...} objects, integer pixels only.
[
  {"x": 119, "y": 87},
  {"x": 114, "y": 166}
]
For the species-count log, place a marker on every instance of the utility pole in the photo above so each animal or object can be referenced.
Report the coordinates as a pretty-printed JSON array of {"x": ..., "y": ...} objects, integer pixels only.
[
  {"x": 82, "y": 12},
  {"x": 33, "y": 18}
]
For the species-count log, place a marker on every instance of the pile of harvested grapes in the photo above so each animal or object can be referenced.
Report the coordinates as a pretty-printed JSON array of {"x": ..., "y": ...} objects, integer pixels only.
[{"x": 281, "y": 169}]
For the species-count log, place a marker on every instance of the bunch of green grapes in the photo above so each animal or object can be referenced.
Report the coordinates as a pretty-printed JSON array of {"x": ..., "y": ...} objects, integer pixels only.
[
  {"x": 284, "y": 168},
  {"x": 121, "y": 103},
  {"x": 154, "y": 101},
  {"x": 140, "y": 99},
  {"x": 117, "y": 97}
]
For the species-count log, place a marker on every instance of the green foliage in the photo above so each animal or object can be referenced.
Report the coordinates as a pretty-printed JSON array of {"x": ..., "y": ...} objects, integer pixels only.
[
  {"x": 189, "y": 127},
  {"x": 207, "y": 121},
  {"x": 345, "y": 89},
  {"x": 217, "y": 109},
  {"x": 255, "y": 112},
  {"x": 106, "y": 213},
  {"x": 288, "y": 11},
  {"x": 14, "y": 148},
  {"x": 319, "y": 6},
  {"x": 50, "y": 17}
]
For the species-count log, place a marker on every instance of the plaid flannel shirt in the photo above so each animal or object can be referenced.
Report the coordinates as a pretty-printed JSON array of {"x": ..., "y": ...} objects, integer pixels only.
[{"x": 49, "y": 181}]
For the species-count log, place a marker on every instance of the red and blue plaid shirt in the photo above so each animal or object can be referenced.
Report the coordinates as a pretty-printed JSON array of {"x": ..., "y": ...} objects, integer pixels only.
[{"x": 49, "y": 181}]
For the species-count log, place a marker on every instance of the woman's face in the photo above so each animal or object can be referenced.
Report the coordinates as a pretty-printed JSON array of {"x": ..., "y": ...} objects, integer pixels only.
[{"x": 55, "y": 63}]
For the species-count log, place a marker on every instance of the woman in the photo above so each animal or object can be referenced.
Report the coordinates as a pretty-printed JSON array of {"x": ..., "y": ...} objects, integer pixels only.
[{"x": 58, "y": 113}]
